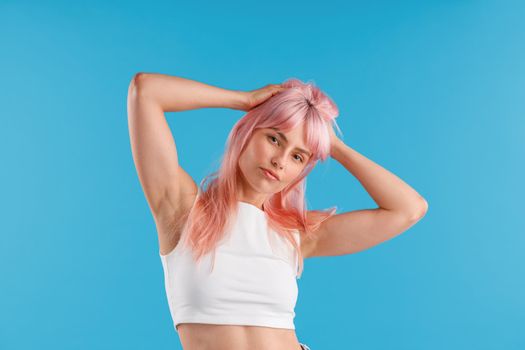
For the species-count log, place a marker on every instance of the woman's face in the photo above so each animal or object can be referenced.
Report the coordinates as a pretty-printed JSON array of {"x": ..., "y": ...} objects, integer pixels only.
[{"x": 277, "y": 151}]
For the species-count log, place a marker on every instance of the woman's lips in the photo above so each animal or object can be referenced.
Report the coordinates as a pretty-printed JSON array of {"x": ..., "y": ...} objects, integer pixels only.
[{"x": 269, "y": 175}]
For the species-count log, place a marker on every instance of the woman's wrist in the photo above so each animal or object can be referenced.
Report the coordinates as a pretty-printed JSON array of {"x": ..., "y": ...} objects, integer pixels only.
[
  {"x": 336, "y": 146},
  {"x": 239, "y": 100}
]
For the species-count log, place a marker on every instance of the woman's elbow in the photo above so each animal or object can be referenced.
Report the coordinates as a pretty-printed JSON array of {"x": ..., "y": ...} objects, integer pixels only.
[{"x": 421, "y": 210}]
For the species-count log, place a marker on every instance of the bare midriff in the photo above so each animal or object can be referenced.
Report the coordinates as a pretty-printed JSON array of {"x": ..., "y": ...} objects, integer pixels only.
[{"x": 199, "y": 336}]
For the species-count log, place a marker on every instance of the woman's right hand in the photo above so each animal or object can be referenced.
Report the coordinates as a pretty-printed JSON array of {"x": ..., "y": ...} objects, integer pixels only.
[{"x": 254, "y": 98}]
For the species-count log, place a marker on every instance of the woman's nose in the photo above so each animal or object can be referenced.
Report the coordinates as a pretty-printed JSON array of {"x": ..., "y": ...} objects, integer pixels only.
[{"x": 278, "y": 161}]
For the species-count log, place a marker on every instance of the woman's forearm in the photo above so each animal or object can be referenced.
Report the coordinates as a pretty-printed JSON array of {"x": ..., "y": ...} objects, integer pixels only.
[
  {"x": 175, "y": 94},
  {"x": 387, "y": 190}
]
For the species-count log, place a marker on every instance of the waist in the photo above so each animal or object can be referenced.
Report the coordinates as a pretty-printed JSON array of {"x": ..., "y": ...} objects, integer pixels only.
[{"x": 197, "y": 336}]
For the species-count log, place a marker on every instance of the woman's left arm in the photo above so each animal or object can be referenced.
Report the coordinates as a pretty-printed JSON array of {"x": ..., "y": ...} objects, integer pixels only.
[
  {"x": 388, "y": 191},
  {"x": 400, "y": 207}
]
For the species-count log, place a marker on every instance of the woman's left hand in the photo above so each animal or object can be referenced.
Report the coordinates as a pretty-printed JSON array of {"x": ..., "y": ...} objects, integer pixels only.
[{"x": 334, "y": 140}]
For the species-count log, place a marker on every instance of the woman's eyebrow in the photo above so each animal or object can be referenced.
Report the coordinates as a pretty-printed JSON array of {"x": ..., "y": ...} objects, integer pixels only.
[{"x": 286, "y": 140}]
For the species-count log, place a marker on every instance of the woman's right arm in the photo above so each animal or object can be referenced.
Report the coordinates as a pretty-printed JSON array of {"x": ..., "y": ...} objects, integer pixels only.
[
  {"x": 163, "y": 181},
  {"x": 174, "y": 94}
]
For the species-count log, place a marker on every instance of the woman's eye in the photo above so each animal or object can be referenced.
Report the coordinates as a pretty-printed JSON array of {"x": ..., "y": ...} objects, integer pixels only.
[{"x": 273, "y": 138}]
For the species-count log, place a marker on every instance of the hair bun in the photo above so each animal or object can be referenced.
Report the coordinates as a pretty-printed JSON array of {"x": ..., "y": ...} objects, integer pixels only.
[{"x": 309, "y": 102}]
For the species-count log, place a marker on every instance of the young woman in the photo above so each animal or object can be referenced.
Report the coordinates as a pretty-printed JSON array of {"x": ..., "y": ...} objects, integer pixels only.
[{"x": 232, "y": 250}]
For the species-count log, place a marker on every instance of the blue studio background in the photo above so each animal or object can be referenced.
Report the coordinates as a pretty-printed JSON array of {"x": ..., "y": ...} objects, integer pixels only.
[{"x": 433, "y": 91}]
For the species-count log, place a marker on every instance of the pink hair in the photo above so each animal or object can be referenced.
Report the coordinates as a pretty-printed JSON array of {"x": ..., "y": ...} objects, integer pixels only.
[{"x": 215, "y": 207}]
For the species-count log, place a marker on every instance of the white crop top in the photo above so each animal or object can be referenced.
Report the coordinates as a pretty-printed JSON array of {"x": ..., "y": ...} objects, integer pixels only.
[{"x": 250, "y": 283}]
